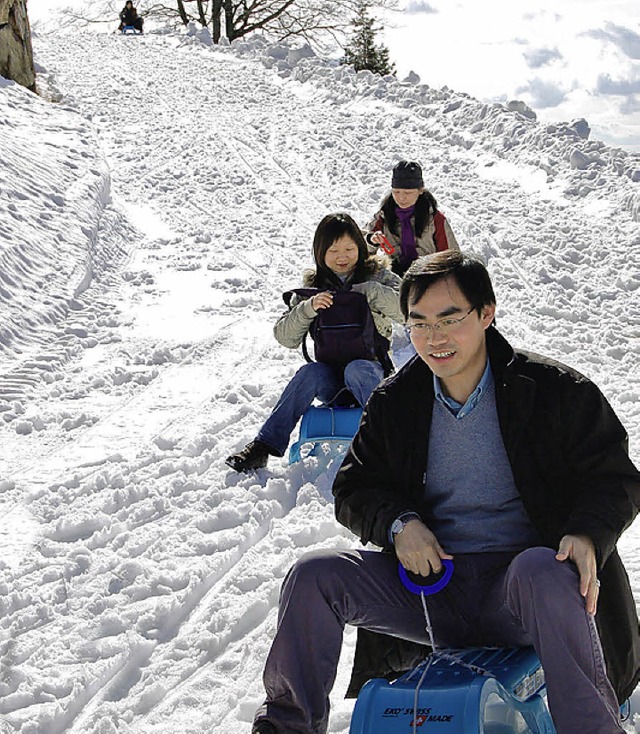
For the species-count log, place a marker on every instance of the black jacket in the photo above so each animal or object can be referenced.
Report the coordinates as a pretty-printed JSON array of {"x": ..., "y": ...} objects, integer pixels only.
[
  {"x": 128, "y": 16},
  {"x": 568, "y": 453}
]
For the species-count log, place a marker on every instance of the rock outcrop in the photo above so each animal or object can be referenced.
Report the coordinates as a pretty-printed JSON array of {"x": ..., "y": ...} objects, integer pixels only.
[{"x": 16, "y": 55}]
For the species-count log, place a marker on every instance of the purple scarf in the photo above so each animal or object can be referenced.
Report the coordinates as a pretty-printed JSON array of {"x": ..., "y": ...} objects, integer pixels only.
[{"x": 407, "y": 236}]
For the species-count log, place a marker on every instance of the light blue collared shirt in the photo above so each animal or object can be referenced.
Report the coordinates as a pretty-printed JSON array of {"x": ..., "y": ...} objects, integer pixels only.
[{"x": 459, "y": 411}]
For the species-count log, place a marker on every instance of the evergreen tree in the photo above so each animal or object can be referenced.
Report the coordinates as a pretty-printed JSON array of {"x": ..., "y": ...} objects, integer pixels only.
[{"x": 362, "y": 53}]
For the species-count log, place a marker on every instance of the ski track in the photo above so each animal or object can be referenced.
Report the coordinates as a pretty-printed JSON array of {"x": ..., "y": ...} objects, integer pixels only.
[{"x": 148, "y": 566}]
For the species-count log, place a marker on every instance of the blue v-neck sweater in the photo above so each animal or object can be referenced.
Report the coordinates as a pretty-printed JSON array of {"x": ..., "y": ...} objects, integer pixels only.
[{"x": 470, "y": 488}]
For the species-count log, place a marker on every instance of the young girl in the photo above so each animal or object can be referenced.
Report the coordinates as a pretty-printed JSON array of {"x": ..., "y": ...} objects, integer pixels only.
[
  {"x": 342, "y": 263},
  {"x": 410, "y": 220}
]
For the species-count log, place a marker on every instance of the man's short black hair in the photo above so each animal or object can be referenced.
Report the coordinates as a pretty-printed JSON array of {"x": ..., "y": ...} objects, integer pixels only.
[{"x": 469, "y": 273}]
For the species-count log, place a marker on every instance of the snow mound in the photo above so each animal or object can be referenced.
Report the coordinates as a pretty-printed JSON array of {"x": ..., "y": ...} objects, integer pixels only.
[{"x": 49, "y": 231}]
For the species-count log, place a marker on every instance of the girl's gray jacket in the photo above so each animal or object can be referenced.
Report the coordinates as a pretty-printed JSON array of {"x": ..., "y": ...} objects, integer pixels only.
[{"x": 382, "y": 292}]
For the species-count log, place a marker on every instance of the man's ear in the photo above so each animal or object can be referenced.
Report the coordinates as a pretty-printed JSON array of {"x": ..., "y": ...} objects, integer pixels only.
[{"x": 487, "y": 315}]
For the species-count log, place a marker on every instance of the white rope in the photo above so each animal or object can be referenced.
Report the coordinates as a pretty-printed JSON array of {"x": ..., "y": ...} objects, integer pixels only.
[
  {"x": 428, "y": 621},
  {"x": 435, "y": 655},
  {"x": 432, "y": 642}
]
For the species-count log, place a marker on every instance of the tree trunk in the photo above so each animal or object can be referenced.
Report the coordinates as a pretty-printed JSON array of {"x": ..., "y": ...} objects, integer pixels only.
[
  {"x": 201, "y": 16},
  {"x": 181, "y": 10},
  {"x": 16, "y": 54},
  {"x": 228, "y": 19},
  {"x": 216, "y": 25}
]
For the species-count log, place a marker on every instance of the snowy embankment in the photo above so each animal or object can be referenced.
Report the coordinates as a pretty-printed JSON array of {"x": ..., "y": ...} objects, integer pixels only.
[
  {"x": 59, "y": 204},
  {"x": 139, "y": 575}
]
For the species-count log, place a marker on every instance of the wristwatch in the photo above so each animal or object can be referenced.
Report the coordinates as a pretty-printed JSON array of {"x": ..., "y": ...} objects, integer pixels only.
[{"x": 397, "y": 526}]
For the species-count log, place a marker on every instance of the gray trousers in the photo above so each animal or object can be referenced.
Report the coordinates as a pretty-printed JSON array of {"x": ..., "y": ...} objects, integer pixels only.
[{"x": 493, "y": 599}]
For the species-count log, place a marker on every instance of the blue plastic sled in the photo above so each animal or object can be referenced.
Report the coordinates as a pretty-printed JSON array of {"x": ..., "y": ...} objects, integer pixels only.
[
  {"x": 320, "y": 424},
  {"x": 131, "y": 29},
  {"x": 493, "y": 691}
]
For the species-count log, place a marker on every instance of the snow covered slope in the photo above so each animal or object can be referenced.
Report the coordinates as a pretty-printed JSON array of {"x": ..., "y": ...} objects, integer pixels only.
[{"x": 149, "y": 227}]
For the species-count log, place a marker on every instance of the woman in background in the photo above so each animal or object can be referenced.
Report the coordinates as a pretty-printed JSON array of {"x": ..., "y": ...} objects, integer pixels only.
[
  {"x": 129, "y": 17},
  {"x": 409, "y": 220}
]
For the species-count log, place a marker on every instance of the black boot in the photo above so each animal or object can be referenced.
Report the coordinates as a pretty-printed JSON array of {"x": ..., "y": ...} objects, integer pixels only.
[{"x": 253, "y": 456}]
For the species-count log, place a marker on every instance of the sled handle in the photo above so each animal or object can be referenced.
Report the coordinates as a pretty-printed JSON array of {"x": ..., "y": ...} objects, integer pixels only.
[
  {"x": 386, "y": 245},
  {"x": 426, "y": 585}
]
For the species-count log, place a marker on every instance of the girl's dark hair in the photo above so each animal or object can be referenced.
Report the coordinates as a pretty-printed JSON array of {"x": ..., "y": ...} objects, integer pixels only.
[
  {"x": 426, "y": 207},
  {"x": 469, "y": 273},
  {"x": 332, "y": 228}
]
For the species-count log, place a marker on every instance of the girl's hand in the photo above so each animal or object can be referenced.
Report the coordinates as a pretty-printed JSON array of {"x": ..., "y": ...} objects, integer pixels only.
[{"x": 322, "y": 300}]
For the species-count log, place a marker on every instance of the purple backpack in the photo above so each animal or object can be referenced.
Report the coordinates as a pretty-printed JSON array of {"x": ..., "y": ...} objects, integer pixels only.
[{"x": 345, "y": 331}]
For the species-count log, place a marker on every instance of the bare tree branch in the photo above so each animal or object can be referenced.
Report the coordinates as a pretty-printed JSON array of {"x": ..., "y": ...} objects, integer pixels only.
[{"x": 322, "y": 23}]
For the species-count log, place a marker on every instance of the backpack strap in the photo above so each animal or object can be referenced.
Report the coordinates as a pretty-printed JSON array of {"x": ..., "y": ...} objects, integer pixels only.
[
  {"x": 303, "y": 293},
  {"x": 379, "y": 225},
  {"x": 440, "y": 235}
]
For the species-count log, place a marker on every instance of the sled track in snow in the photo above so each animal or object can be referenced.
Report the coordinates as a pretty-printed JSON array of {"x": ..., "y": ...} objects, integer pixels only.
[{"x": 194, "y": 611}]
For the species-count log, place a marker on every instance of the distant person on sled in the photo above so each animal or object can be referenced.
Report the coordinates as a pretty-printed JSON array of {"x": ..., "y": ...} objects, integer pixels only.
[
  {"x": 409, "y": 224},
  {"x": 129, "y": 17},
  {"x": 354, "y": 357},
  {"x": 506, "y": 464}
]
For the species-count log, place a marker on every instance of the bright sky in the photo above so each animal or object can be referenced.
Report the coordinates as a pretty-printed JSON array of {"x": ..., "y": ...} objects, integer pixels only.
[{"x": 565, "y": 58}]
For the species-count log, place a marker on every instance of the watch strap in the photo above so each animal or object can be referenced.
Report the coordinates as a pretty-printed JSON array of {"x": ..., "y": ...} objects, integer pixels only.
[{"x": 404, "y": 519}]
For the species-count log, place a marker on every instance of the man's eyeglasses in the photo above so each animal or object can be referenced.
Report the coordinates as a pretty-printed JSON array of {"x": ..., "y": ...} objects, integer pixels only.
[{"x": 444, "y": 326}]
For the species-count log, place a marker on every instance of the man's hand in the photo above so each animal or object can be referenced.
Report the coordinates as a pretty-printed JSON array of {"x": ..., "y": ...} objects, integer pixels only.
[
  {"x": 418, "y": 549},
  {"x": 580, "y": 550}
]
